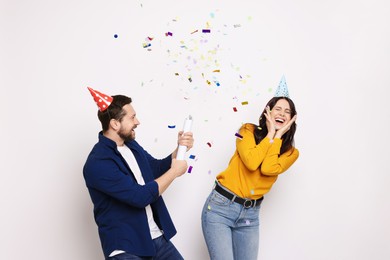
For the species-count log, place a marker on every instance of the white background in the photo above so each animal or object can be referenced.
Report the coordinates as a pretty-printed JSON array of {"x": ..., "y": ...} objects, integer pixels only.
[{"x": 332, "y": 204}]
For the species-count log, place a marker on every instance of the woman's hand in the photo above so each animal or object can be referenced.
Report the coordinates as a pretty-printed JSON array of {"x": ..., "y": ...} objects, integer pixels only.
[
  {"x": 285, "y": 128},
  {"x": 270, "y": 123}
]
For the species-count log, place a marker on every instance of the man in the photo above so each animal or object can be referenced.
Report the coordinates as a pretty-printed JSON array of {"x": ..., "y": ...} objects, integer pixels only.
[{"x": 125, "y": 184}]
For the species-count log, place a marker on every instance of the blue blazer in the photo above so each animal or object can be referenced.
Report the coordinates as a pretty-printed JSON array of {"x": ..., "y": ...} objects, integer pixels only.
[{"x": 119, "y": 201}]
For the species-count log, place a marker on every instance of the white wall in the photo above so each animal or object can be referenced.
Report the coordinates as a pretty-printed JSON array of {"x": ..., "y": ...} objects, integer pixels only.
[{"x": 332, "y": 204}]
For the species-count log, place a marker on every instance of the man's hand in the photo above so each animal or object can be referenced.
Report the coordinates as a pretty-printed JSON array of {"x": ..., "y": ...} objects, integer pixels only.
[{"x": 185, "y": 139}]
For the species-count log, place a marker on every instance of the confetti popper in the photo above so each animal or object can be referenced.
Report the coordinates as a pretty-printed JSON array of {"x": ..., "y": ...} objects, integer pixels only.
[
  {"x": 186, "y": 128},
  {"x": 238, "y": 135}
]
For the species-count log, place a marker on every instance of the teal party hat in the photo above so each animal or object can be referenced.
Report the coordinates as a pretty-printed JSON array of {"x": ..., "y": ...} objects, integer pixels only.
[{"x": 282, "y": 90}]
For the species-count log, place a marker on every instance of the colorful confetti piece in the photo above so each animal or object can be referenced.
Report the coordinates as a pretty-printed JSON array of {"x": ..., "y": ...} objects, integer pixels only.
[
  {"x": 171, "y": 126},
  {"x": 206, "y": 30},
  {"x": 244, "y": 103},
  {"x": 234, "y": 109},
  {"x": 189, "y": 169},
  {"x": 209, "y": 144},
  {"x": 192, "y": 156},
  {"x": 238, "y": 135}
]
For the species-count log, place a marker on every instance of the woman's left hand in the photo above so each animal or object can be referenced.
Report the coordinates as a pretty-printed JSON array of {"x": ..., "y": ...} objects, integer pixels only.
[{"x": 285, "y": 128}]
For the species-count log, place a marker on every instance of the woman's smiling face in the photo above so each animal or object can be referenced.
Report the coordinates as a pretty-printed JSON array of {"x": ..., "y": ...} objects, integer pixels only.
[{"x": 281, "y": 113}]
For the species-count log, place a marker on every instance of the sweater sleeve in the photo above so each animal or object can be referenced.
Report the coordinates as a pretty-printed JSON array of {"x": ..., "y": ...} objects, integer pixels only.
[
  {"x": 252, "y": 155},
  {"x": 274, "y": 163}
]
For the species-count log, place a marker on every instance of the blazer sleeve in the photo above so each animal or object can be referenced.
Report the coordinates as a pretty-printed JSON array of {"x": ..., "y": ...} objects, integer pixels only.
[{"x": 105, "y": 176}]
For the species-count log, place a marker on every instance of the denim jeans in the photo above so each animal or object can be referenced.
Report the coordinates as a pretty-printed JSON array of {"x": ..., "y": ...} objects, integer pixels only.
[
  {"x": 231, "y": 231},
  {"x": 165, "y": 251}
]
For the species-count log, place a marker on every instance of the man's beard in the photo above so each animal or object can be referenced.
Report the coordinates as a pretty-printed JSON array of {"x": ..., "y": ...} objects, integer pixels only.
[{"x": 126, "y": 136}]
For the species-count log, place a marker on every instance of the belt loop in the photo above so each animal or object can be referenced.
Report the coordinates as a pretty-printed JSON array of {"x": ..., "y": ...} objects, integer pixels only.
[{"x": 234, "y": 197}]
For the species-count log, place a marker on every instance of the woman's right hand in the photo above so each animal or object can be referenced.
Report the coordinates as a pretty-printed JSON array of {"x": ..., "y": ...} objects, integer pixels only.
[{"x": 270, "y": 123}]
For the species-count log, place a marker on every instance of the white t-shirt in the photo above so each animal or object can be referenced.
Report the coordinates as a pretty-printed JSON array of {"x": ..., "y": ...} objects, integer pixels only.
[{"x": 128, "y": 155}]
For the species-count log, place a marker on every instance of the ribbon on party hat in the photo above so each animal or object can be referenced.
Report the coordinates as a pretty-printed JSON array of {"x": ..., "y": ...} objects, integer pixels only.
[
  {"x": 102, "y": 100},
  {"x": 282, "y": 90}
]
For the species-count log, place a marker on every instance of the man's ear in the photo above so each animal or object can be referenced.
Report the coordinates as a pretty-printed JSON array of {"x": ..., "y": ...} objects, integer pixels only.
[{"x": 114, "y": 124}]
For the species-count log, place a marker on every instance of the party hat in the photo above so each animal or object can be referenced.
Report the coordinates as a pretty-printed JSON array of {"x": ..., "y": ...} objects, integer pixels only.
[
  {"x": 282, "y": 90},
  {"x": 102, "y": 100}
]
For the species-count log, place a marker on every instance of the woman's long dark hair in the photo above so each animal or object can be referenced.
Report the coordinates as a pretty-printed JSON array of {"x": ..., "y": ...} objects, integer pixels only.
[{"x": 261, "y": 131}]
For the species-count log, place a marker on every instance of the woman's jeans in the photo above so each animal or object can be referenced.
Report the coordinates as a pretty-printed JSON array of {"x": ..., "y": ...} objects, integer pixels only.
[
  {"x": 165, "y": 251},
  {"x": 231, "y": 231}
]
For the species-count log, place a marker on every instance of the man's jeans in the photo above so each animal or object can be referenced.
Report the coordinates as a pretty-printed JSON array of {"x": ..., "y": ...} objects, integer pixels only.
[
  {"x": 231, "y": 231},
  {"x": 165, "y": 251}
]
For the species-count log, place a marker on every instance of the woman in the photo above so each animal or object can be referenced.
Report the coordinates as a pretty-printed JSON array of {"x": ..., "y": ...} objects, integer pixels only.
[{"x": 230, "y": 216}]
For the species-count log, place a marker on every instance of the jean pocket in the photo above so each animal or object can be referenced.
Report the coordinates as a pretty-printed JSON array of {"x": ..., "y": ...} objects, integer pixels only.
[{"x": 218, "y": 199}]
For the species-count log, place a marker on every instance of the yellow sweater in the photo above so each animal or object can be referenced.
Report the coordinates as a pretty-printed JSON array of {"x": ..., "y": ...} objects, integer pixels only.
[{"x": 253, "y": 169}]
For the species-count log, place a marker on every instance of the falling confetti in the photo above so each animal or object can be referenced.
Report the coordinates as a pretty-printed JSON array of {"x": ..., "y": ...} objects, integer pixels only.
[
  {"x": 238, "y": 135},
  {"x": 189, "y": 169},
  {"x": 171, "y": 126}
]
